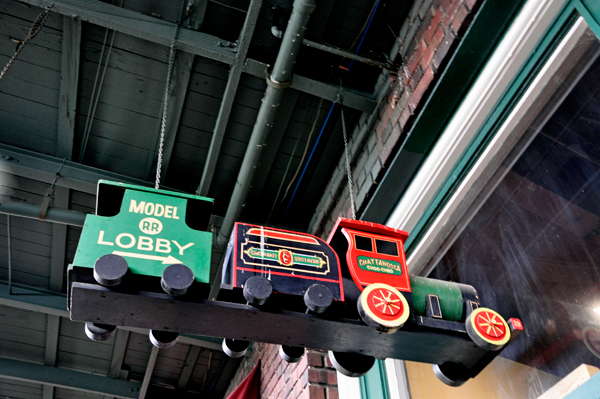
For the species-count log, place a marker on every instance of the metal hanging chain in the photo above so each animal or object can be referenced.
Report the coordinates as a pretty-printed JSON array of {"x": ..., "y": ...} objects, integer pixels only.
[
  {"x": 36, "y": 28},
  {"x": 348, "y": 164},
  {"x": 165, "y": 104}
]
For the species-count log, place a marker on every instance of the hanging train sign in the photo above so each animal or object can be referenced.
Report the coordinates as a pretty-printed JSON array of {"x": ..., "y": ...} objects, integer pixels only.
[{"x": 144, "y": 261}]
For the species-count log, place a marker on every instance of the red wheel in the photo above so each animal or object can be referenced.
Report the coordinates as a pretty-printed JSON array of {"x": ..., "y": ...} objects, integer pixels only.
[
  {"x": 487, "y": 329},
  {"x": 383, "y": 307}
]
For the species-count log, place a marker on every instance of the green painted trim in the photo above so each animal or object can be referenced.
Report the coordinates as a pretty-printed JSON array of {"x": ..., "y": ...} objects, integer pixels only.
[
  {"x": 544, "y": 50},
  {"x": 474, "y": 49},
  {"x": 374, "y": 385}
]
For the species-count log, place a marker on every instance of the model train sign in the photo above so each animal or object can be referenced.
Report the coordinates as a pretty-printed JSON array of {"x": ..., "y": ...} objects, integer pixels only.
[{"x": 144, "y": 261}]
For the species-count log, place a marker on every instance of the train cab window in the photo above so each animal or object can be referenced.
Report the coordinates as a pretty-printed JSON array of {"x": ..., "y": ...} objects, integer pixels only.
[
  {"x": 364, "y": 243},
  {"x": 386, "y": 247}
]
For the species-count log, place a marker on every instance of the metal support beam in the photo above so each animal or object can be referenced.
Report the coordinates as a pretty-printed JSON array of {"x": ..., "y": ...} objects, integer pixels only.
[
  {"x": 148, "y": 374},
  {"x": 188, "y": 367},
  {"x": 64, "y": 378},
  {"x": 235, "y": 73},
  {"x": 189, "y": 40},
  {"x": 69, "y": 79},
  {"x": 141, "y": 26},
  {"x": 182, "y": 70},
  {"x": 180, "y": 79},
  {"x": 59, "y": 242},
  {"x": 52, "y": 329},
  {"x": 52, "y": 303},
  {"x": 55, "y": 215},
  {"x": 118, "y": 354},
  {"x": 353, "y": 99},
  {"x": 40, "y": 167}
]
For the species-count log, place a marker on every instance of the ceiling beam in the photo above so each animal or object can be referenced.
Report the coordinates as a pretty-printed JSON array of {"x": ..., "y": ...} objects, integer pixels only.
[
  {"x": 356, "y": 100},
  {"x": 69, "y": 79},
  {"x": 182, "y": 70},
  {"x": 53, "y": 303},
  {"x": 52, "y": 329},
  {"x": 118, "y": 354},
  {"x": 235, "y": 73},
  {"x": 141, "y": 26},
  {"x": 188, "y": 367},
  {"x": 43, "y": 168},
  {"x": 191, "y": 41},
  {"x": 148, "y": 374},
  {"x": 64, "y": 378},
  {"x": 180, "y": 79},
  {"x": 59, "y": 242}
]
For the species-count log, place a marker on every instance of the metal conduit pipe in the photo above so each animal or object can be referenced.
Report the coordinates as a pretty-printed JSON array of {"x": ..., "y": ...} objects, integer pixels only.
[
  {"x": 279, "y": 80},
  {"x": 55, "y": 215}
]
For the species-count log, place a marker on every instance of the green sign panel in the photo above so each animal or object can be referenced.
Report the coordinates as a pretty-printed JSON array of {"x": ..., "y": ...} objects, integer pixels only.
[
  {"x": 380, "y": 265},
  {"x": 150, "y": 232}
]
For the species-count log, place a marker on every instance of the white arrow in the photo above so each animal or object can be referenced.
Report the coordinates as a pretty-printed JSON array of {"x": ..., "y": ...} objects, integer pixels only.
[{"x": 166, "y": 260}]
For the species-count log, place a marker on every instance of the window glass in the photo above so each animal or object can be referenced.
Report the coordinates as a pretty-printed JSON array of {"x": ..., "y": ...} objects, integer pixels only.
[
  {"x": 363, "y": 243},
  {"x": 386, "y": 247},
  {"x": 532, "y": 249}
]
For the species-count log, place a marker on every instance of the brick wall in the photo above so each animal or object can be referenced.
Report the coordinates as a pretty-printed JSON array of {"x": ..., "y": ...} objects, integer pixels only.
[
  {"x": 426, "y": 42},
  {"x": 313, "y": 377}
]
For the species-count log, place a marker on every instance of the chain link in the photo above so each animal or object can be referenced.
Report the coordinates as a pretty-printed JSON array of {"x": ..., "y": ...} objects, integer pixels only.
[
  {"x": 163, "y": 124},
  {"x": 36, "y": 28},
  {"x": 353, "y": 209}
]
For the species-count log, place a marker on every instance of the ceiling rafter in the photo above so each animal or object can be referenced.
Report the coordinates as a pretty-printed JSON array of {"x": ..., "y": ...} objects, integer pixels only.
[
  {"x": 182, "y": 71},
  {"x": 141, "y": 26},
  {"x": 52, "y": 332},
  {"x": 149, "y": 370},
  {"x": 43, "y": 168},
  {"x": 191, "y": 41},
  {"x": 69, "y": 379},
  {"x": 52, "y": 303},
  {"x": 188, "y": 367},
  {"x": 69, "y": 79},
  {"x": 235, "y": 73}
]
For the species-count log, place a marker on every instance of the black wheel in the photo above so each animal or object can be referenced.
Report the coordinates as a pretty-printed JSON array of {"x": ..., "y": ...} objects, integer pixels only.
[
  {"x": 99, "y": 332},
  {"x": 451, "y": 374},
  {"x": 383, "y": 307},
  {"x": 291, "y": 354},
  {"x": 110, "y": 269},
  {"x": 163, "y": 339},
  {"x": 177, "y": 279},
  {"x": 235, "y": 348},
  {"x": 351, "y": 364},
  {"x": 257, "y": 290},
  {"x": 318, "y": 298}
]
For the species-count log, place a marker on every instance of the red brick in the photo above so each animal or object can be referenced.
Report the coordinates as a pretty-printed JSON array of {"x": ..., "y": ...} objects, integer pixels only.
[
  {"x": 415, "y": 58},
  {"x": 332, "y": 393},
  {"x": 470, "y": 3},
  {"x": 328, "y": 362},
  {"x": 443, "y": 49},
  {"x": 314, "y": 359},
  {"x": 422, "y": 86},
  {"x": 437, "y": 38},
  {"x": 300, "y": 367},
  {"x": 459, "y": 18},
  {"x": 331, "y": 377},
  {"x": 316, "y": 392},
  {"x": 427, "y": 57},
  {"x": 450, "y": 11},
  {"x": 433, "y": 25}
]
